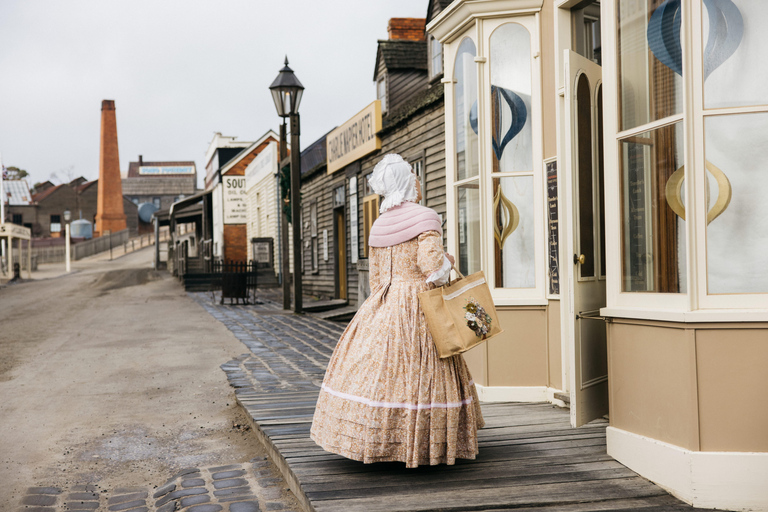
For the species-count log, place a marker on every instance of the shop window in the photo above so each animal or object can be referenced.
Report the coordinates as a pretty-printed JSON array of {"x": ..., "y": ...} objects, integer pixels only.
[
  {"x": 468, "y": 213},
  {"x": 381, "y": 93},
  {"x": 734, "y": 63},
  {"x": 465, "y": 108},
  {"x": 55, "y": 223},
  {"x": 737, "y": 233},
  {"x": 370, "y": 214},
  {"x": 436, "y": 57},
  {"x": 650, "y": 63},
  {"x": 652, "y": 211},
  {"x": 512, "y": 157}
]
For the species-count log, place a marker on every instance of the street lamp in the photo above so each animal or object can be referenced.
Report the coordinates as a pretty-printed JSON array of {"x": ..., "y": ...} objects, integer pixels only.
[
  {"x": 67, "y": 217},
  {"x": 286, "y": 93}
]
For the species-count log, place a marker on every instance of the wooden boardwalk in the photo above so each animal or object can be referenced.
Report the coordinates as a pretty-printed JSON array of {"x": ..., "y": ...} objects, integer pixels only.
[{"x": 530, "y": 458}]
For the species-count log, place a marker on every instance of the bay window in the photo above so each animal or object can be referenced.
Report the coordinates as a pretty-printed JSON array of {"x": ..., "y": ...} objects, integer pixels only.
[
  {"x": 688, "y": 111},
  {"x": 495, "y": 180}
]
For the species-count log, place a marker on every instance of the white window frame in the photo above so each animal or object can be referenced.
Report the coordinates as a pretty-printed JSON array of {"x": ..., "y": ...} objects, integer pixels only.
[
  {"x": 480, "y": 32},
  {"x": 695, "y": 305}
]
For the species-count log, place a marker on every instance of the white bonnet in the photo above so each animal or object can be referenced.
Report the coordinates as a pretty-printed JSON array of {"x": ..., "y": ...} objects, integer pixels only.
[{"x": 393, "y": 178}]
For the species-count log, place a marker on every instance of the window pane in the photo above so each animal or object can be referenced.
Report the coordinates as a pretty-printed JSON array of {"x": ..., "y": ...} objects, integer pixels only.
[
  {"x": 511, "y": 99},
  {"x": 468, "y": 201},
  {"x": 737, "y": 239},
  {"x": 585, "y": 188},
  {"x": 653, "y": 235},
  {"x": 650, "y": 61},
  {"x": 734, "y": 47},
  {"x": 514, "y": 233},
  {"x": 437, "y": 57},
  {"x": 465, "y": 105}
]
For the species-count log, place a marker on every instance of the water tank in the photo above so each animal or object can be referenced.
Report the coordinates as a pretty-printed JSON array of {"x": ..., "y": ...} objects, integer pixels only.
[
  {"x": 81, "y": 228},
  {"x": 145, "y": 212}
]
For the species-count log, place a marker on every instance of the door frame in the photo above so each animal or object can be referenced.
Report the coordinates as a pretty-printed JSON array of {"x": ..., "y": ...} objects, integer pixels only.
[{"x": 563, "y": 43}]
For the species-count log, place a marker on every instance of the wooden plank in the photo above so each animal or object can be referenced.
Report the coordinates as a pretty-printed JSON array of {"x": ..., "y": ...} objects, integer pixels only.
[
  {"x": 483, "y": 499},
  {"x": 492, "y": 483},
  {"x": 464, "y": 476}
]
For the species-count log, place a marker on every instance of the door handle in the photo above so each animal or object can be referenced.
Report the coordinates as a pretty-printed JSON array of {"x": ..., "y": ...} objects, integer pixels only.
[{"x": 579, "y": 258}]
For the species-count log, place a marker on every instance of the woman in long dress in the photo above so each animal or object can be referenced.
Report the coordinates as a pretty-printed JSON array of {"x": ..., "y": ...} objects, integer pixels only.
[{"x": 387, "y": 396}]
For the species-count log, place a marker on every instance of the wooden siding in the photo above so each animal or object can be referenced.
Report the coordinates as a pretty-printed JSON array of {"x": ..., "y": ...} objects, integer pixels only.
[
  {"x": 402, "y": 85},
  {"x": 423, "y": 134},
  {"x": 321, "y": 283},
  {"x": 263, "y": 217}
]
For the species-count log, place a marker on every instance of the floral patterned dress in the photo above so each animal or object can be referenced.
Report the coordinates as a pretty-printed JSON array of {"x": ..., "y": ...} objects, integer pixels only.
[{"x": 386, "y": 395}]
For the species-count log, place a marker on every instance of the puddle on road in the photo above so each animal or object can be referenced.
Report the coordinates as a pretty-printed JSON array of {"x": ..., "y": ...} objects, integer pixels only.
[{"x": 115, "y": 279}]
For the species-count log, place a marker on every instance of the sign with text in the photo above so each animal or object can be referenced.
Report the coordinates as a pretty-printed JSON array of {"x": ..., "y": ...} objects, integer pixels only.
[
  {"x": 355, "y": 138},
  {"x": 261, "y": 166},
  {"x": 166, "y": 169},
  {"x": 554, "y": 229},
  {"x": 235, "y": 200}
]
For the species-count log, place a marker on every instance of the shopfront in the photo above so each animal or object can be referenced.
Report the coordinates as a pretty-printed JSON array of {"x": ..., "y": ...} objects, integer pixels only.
[{"x": 604, "y": 171}]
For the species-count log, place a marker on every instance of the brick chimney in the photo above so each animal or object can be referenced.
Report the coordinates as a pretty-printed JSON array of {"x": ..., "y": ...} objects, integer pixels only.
[
  {"x": 406, "y": 29},
  {"x": 110, "y": 215}
]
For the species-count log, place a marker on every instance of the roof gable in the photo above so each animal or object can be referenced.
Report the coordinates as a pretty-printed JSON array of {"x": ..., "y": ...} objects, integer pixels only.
[{"x": 400, "y": 55}]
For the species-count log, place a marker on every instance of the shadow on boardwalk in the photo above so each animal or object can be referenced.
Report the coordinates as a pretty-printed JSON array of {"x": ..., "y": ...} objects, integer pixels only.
[{"x": 530, "y": 457}]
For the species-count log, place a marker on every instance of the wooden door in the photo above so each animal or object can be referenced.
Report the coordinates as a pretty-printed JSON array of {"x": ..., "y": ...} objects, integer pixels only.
[
  {"x": 588, "y": 363},
  {"x": 340, "y": 253}
]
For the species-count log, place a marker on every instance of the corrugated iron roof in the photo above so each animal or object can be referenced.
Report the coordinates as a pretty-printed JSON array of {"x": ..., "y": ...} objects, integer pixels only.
[{"x": 16, "y": 193}]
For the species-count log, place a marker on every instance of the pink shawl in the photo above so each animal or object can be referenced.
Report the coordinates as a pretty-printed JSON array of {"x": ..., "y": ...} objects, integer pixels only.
[{"x": 403, "y": 222}]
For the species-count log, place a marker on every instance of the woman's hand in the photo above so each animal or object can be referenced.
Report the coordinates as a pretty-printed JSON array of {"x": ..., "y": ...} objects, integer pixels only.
[{"x": 450, "y": 258}]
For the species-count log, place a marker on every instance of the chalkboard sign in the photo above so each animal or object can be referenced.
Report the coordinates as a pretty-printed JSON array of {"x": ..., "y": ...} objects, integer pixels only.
[{"x": 554, "y": 229}]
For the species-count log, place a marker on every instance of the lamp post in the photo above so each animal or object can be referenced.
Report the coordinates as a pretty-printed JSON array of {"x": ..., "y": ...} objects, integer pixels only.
[
  {"x": 67, "y": 217},
  {"x": 286, "y": 93}
]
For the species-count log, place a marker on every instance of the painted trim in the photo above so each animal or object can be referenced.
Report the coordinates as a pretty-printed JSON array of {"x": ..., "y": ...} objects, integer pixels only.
[
  {"x": 518, "y": 394},
  {"x": 698, "y": 316},
  {"x": 725, "y": 480}
]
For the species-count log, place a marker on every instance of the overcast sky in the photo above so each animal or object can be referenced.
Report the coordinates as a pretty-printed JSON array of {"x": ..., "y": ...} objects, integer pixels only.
[{"x": 178, "y": 72}]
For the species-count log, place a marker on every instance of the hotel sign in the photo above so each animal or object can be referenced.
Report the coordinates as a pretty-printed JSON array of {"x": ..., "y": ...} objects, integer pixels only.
[{"x": 355, "y": 138}]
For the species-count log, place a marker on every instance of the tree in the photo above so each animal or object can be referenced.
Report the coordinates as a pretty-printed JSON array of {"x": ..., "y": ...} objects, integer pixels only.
[{"x": 14, "y": 173}]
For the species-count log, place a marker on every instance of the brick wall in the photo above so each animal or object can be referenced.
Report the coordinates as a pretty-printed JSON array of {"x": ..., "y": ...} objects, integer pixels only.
[
  {"x": 409, "y": 29},
  {"x": 236, "y": 235},
  {"x": 110, "y": 214},
  {"x": 235, "y": 242}
]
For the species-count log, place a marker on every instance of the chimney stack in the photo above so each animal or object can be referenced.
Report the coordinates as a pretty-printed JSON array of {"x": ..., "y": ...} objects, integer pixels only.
[
  {"x": 110, "y": 215},
  {"x": 407, "y": 29},
  {"x": 141, "y": 161}
]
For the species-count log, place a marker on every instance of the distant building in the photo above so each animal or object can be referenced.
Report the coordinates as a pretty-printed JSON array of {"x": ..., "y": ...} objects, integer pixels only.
[
  {"x": 229, "y": 196},
  {"x": 18, "y": 203},
  {"x": 43, "y": 212},
  {"x": 159, "y": 183}
]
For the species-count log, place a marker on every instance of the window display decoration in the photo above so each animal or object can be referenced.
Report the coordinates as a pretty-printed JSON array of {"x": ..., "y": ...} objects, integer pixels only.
[{"x": 726, "y": 30}]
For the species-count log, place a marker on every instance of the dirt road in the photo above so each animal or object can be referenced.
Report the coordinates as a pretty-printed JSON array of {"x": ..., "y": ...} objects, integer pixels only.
[{"x": 110, "y": 376}]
